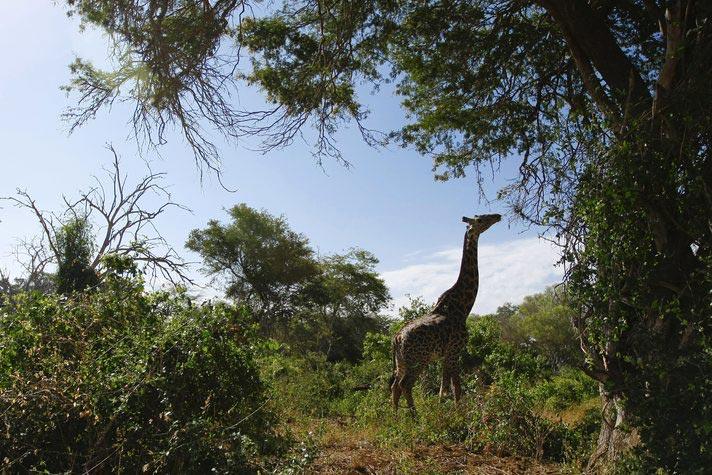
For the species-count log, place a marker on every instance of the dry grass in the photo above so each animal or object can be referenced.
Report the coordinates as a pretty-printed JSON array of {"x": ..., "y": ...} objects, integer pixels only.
[
  {"x": 346, "y": 450},
  {"x": 573, "y": 415}
]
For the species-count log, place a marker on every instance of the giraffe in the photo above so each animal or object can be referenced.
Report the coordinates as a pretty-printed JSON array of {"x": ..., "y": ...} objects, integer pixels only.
[{"x": 442, "y": 333}]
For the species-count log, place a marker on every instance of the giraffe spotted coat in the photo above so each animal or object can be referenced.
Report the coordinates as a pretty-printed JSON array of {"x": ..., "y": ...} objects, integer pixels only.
[{"x": 442, "y": 334}]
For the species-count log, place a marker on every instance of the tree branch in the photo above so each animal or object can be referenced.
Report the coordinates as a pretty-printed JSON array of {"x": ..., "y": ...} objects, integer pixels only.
[
  {"x": 127, "y": 225},
  {"x": 591, "y": 40}
]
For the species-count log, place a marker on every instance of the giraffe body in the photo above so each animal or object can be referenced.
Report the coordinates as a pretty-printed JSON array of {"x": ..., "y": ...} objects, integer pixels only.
[
  {"x": 442, "y": 334},
  {"x": 422, "y": 341}
]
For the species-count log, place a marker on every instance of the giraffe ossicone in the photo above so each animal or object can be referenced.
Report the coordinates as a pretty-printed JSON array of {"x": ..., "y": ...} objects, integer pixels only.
[{"x": 442, "y": 334}]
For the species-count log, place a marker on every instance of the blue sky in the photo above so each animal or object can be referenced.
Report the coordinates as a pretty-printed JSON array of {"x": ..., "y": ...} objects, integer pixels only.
[{"x": 387, "y": 203}]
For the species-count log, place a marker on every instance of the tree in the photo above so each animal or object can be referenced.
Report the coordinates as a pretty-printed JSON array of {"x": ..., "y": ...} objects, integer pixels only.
[
  {"x": 607, "y": 104},
  {"x": 262, "y": 261},
  {"x": 125, "y": 228},
  {"x": 323, "y": 304},
  {"x": 353, "y": 294},
  {"x": 33, "y": 257},
  {"x": 543, "y": 321},
  {"x": 74, "y": 243}
]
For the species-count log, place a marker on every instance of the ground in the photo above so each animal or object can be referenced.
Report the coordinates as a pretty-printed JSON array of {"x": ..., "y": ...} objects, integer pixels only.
[{"x": 343, "y": 452}]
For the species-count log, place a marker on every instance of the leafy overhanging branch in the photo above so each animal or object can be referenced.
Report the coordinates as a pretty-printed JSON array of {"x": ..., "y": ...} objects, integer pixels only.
[{"x": 177, "y": 64}]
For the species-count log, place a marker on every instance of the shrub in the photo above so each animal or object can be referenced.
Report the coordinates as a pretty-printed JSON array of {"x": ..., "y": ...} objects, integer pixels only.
[
  {"x": 124, "y": 381},
  {"x": 511, "y": 423},
  {"x": 377, "y": 347},
  {"x": 303, "y": 386},
  {"x": 493, "y": 357},
  {"x": 569, "y": 387}
]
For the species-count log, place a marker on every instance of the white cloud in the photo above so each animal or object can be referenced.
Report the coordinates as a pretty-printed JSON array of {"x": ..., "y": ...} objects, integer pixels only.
[{"x": 509, "y": 271}]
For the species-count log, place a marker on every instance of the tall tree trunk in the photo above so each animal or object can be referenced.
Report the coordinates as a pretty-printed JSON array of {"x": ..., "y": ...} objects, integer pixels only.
[{"x": 614, "y": 438}]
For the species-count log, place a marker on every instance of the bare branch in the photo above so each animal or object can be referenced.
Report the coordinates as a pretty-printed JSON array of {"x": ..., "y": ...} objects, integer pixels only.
[
  {"x": 46, "y": 220},
  {"x": 128, "y": 226},
  {"x": 125, "y": 226}
]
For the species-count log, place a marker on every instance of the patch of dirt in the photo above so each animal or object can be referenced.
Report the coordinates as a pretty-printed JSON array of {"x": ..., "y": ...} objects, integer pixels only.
[{"x": 361, "y": 457}]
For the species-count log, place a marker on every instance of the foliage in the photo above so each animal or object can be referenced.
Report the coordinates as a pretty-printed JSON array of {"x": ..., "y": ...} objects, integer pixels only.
[
  {"x": 571, "y": 386},
  {"x": 638, "y": 320},
  {"x": 509, "y": 423},
  {"x": 415, "y": 308},
  {"x": 182, "y": 83},
  {"x": 493, "y": 357},
  {"x": 545, "y": 320},
  {"x": 325, "y": 304},
  {"x": 264, "y": 263},
  {"x": 377, "y": 346},
  {"x": 74, "y": 243},
  {"x": 508, "y": 418},
  {"x": 543, "y": 323},
  {"x": 124, "y": 381}
]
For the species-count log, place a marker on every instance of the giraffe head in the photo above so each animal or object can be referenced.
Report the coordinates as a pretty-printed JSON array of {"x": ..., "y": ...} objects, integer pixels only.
[{"x": 479, "y": 224}]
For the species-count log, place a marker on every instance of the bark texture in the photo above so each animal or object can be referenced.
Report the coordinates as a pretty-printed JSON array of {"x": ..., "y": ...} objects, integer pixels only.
[{"x": 615, "y": 438}]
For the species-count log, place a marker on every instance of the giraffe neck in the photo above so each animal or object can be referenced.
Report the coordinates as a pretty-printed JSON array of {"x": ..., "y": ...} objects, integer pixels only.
[{"x": 458, "y": 300}]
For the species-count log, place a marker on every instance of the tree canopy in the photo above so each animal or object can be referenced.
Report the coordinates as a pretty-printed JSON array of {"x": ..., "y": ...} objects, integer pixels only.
[
  {"x": 542, "y": 322},
  {"x": 262, "y": 260},
  {"x": 325, "y": 304}
]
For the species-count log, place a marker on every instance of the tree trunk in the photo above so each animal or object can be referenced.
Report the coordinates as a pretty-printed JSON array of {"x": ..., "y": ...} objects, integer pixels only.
[{"x": 615, "y": 438}]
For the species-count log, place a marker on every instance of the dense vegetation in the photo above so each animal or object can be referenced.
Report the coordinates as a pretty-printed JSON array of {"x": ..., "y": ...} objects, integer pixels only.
[
  {"x": 605, "y": 103},
  {"x": 517, "y": 402},
  {"x": 115, "y": 377},
  {"x": 125, "y": 380}
]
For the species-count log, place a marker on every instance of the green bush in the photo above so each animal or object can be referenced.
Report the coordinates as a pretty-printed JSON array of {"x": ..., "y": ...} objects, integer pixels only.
[
  {"x": 511, "y": 426},
  {"x": 512, "y": 423},
  {"x": 377, "y": 347},
  {"x": 119, "y": 380},
  {"x": 493, "y": 357},
  {"x": 303, "y": 387},
  {"x": 569, "y": 387}
]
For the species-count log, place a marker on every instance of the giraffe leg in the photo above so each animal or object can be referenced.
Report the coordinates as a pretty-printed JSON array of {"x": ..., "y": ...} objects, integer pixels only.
[
  {"x": 444, "y": 381},
  {"x": 406, "y": 384},
  {"x": 451, "y": 361},
  {"x": 456, "y": 384},
  {"x": 396, "y": 392},
  {"x": 408, "y": 392}
]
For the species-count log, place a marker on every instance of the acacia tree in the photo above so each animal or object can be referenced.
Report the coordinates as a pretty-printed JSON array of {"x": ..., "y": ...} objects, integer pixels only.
[
  {"x": 327, "y": 304},
  {"x": 606, "y": 104},
  {"x": 261, "y": 261}
]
